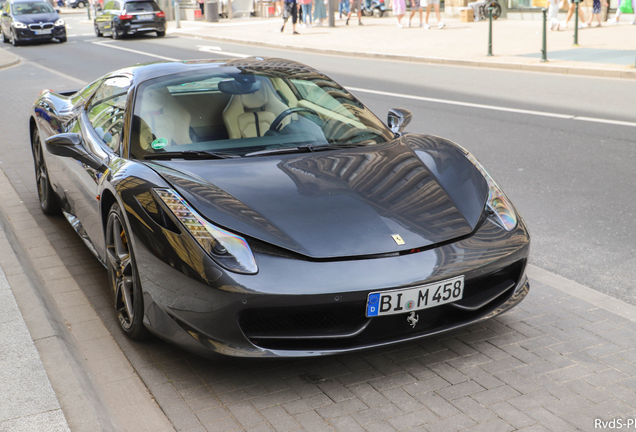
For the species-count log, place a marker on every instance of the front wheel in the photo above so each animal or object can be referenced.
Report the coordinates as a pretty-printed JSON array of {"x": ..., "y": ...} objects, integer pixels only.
[
  {"x": 4, "y": 38},
  {"x": 62, "y": 39},
  {"x": 48, "y": 201},
  {"x": 378, "y": 13},
  {"x": 161, "y": 33},
  {"x": 123, "y": 276},
  {"x": 14, "y": 40},
  {"x": 97, "y": 32}
]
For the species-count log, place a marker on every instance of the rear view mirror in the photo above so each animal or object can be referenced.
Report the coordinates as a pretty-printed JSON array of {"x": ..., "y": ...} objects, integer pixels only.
[{"x": 70, "y": 145}]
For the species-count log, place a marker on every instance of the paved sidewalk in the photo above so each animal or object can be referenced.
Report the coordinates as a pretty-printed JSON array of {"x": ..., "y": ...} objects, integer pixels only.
[{"x": 458, "y": 43}]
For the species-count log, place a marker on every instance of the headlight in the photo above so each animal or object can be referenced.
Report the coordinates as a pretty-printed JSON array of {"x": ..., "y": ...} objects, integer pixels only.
[
  {"x": 18, "y": 24},
  {"x": 59, "y": 22},
  {"x": 229, "y": 250},
  {"x": 498, "y": 203}
]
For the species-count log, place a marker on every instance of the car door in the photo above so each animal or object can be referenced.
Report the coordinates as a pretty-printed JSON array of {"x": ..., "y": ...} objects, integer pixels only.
[
  {"x": 101, "y": 127},
  {"x": 104, "y": 19}
]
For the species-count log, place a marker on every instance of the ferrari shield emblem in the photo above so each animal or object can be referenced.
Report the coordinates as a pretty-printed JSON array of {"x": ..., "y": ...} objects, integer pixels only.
[
  {"x": 413, "y": 318},
  {"x": 397, "y": 239}
]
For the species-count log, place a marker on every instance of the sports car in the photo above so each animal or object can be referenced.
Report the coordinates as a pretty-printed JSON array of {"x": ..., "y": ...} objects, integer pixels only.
[{"x": 256, "y": 208}]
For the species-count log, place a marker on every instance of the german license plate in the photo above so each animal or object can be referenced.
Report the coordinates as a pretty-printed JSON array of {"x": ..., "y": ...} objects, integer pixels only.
[
  {"x": 415, "y": 298},
  {"x": 43, "y": 32},
  {"x": 145, "y": 17}
]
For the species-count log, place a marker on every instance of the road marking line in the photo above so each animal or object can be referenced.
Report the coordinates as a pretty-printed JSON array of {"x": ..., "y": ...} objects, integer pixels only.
[
  {"x": 219, "y": 51},
  {"x": 109, "y": 45},
  {"x": 494, "y": 107},
  {"x": 208, "y": 49}
]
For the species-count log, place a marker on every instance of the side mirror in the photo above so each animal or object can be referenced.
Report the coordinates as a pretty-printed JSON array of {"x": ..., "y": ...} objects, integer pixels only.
[
  {"x": 70, "y": 145},
  {"x": 398, "y": 119}
]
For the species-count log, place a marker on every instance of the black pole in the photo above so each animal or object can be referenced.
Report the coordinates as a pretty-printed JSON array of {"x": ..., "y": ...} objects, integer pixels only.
[
  {"x": 576, "y": 24},
  {"x": 489, "y": 32},
  {"x": 544, "y": 50}
]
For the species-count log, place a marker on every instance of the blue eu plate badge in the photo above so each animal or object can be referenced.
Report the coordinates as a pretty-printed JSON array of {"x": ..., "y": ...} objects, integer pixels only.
[{"x": 372, "y": 304}]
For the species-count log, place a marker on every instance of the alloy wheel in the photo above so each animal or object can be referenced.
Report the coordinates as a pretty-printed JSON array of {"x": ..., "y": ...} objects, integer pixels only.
[
  {"x": 48, "y": 202},
  {"x": 120, "y": 269}
]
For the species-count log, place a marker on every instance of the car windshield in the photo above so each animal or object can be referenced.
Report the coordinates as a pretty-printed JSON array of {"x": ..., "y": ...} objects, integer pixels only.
[
  {"x": 142, "y": 6},
  {"x": 29, "y": 8},
  {"x": 247, "y": 110}
]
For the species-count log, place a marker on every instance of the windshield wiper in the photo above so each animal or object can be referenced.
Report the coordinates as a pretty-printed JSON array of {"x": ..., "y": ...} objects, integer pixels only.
[
  {"x": 299, "y": 149},
  {"x": 190, "y": 155}
]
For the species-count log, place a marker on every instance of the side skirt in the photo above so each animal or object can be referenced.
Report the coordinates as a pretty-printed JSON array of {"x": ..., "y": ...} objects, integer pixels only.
[{"x": 79, "y": 229}]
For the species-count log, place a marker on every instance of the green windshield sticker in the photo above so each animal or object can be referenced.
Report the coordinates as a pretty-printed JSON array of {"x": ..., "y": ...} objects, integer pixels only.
[{"x": 159, "y": 143}]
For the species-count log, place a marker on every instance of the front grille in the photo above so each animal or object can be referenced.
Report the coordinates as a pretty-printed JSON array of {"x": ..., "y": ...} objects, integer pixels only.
[{"x": 44, "y": 26}]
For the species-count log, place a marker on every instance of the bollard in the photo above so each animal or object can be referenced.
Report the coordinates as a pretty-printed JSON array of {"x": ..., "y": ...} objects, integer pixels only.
[
  {"x": 490, "y": 32},
  {"x": 576, "y": 24},
  {"x": 544, "y": 50}
]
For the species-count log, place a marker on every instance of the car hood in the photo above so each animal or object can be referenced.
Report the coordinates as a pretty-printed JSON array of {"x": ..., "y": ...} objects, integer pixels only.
[
  {"x": 340, "y": 203},
  {"x": 37, "y": 18}
]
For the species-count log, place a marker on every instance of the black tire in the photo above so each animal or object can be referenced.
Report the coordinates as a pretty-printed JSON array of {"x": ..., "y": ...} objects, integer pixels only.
[
  {"x": 114, "y": 33},
  {"x": 123, "y": 277},
  {"x": 367, "y": 12},
  {"x": 48, "y": 201},
  {"x": 14, "y": 40},
  {"x": 62, "y": 39},
  {"x": 97, "y": 32},
  {"x": 378, "y": 13},
  {"x": 4, "y": 38},
  {"x": 161, "y": 33}
]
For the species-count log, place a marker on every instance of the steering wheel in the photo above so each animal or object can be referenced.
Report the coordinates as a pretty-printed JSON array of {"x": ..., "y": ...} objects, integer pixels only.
[{"x": 278, "y": 121}]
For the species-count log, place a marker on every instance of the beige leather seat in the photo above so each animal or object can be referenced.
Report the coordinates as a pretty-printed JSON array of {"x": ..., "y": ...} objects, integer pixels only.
[
  {"x": 250, "y": 115},
  {"x": 165, "y": 117}
]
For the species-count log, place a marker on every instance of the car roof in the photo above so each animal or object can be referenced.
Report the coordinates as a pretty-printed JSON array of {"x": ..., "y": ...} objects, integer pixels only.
[{"x": 144, "y": 72}]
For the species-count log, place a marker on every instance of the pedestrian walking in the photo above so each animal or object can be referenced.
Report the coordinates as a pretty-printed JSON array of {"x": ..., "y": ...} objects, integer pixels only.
[
  {"x": 416, "y": 6},
  {"x": 625, "y": 6},
  {"x": 343, "y": 7},
  {"x": 355, "y": 5},
  {"x": 435, "y": 5},
  {"x": 596, "y": 10},
  {"x": 553, "y": 15},
  {"x": 290, "y": 11},
  {"x": 320, "y": 13},
  {"x": 399, "y": 10},
  {"x": 571, "y": 9},
  {"x": 306, "y": 6}
]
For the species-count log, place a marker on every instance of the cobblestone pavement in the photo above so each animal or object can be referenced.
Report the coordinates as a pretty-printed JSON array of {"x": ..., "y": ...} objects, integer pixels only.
[{"x": 555, "y": 362}]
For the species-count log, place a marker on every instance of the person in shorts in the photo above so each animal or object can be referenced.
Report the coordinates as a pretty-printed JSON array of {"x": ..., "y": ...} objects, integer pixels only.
[
  {"x": 416, "y": 6},
  {"x": 355, "y": 5},
  {"x": 571, "y": 9},
  {"x": 290, "y": 11},
  {"x": 434, "y": 3}
]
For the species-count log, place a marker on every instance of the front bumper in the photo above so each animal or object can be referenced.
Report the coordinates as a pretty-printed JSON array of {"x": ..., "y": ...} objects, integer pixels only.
[
  {"x": 297, "y": 307},
  {"x": 28, "y": 35}
]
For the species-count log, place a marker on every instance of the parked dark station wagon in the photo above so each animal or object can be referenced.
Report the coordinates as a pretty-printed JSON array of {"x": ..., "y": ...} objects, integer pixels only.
[{"x": 124, "y": 17}]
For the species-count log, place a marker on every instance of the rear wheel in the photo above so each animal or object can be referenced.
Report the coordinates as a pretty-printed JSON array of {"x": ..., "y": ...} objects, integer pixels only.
[
  {"x": 48, "y": 201},
  {"x": 123, "y": 276},
  {"x": 114, "y": 32},
  {"x": 97, "y": 32}
]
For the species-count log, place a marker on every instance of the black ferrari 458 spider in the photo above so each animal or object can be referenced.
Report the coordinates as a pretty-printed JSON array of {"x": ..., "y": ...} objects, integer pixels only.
[{"x": 254, "y": 207}]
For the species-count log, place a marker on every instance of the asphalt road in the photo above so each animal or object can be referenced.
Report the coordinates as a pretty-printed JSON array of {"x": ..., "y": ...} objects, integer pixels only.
[{"x": 572, "y": 179}]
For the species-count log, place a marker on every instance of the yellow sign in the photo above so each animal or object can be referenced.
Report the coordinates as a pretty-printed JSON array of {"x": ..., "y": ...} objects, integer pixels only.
[{"x": 398, "y": 239}]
